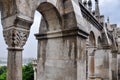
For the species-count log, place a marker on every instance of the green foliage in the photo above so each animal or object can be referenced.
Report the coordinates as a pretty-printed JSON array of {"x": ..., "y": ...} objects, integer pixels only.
[
  {"x": 3, "y": 71},
  {"x": 28, "y": 73},
  {"x": 3, "y": 76}
]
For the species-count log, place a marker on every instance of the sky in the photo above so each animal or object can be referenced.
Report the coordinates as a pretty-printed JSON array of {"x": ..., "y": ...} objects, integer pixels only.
[{"x": 109, "y": 8}]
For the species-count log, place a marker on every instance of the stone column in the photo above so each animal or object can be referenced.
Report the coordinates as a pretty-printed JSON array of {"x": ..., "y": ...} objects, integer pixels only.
[
  {"x": 118, "y": 66},
  {"x": 35, "y": 69},
  {"x": 91, "y": 69},
  {"x": 62, "y": 57},
  {"x": 15, "y": 31},
  {"x": 14, "y": 64},
  {"x": 118, "y": 59},
  {"x": 114, "y": 66}
]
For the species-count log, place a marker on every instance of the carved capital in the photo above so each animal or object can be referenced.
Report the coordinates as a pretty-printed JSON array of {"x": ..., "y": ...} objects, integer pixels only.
[
  {"x": 16, "y": 33},
  {"x": 15, "y": 37}
]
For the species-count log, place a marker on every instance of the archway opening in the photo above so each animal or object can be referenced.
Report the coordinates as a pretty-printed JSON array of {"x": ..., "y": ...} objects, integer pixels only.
[
  {"x": 92, "y": 41},
  {"x": 46, "y": 18},
  {"x": 51, "y": 17}
]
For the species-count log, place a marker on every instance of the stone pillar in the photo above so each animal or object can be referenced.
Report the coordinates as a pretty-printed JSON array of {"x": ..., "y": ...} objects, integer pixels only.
[
  {"x": 114, "y": 66},
  {"x": 15, "y": 31},
  {"x": 91, "y": 69},
  {"x": 118, "y": 59},
  {"x": 81, "y": 58},
  {"x": 35, "y": 69},
  {"x": 118, "y": 66},
  {"x": 14, "y": 64},
  {"x": 62, "y": 48},
  {"x": 62, "y": 57}
]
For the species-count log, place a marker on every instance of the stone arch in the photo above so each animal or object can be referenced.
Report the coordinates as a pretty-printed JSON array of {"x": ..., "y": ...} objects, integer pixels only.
[
  {"x": 91, "y": 53},
  {"x": 92, "y": 40},
  {"x": 50, "y": 17}
]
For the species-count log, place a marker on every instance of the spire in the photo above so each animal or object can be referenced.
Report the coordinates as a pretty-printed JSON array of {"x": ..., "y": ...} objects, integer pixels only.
[
  {"x": 90, "y": 6},
  {"x": 85, "y": 3},
  {"x": 108, "y": 20},
  {"x": 97, "y": 11}
]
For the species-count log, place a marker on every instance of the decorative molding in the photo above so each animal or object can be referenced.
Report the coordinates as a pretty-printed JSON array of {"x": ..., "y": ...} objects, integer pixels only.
[
  {"x": 87, "y": 15},
  {"x": 17, "y": 22},
  {"x": 16, "y": 31},
  {"x": 62, "y": 33}
]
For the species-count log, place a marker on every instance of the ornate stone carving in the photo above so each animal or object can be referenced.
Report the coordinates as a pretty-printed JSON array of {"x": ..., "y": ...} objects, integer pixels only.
[{"x": 15, "y": 37}]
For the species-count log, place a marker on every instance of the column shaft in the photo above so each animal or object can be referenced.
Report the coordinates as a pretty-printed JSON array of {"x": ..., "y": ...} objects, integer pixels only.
[
  {"x": 35, "y": 74},
  {"x": 14, "y": 65},
  {"x": 118, "y": 67},
  {"x": 114, "y": 66},
  {"x": 91, "y": 66}
]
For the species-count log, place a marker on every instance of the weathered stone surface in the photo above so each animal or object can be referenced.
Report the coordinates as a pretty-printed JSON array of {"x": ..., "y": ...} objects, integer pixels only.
[
  {"x": 66, "y": 28},
  {"x": 14, "y": 64},
  {"x": 114, "y": 66},
  {"x": 102, "y": 64}
]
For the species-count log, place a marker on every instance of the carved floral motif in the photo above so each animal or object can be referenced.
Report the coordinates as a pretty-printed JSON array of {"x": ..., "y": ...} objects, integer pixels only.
[{"x": 16, "y": 37}]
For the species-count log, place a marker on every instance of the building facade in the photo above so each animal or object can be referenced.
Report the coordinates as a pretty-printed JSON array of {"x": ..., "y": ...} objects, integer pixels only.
[{"x": 74, "y": 42}]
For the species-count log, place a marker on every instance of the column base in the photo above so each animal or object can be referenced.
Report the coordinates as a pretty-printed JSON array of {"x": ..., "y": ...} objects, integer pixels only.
[{"x": 94, "y": 78}]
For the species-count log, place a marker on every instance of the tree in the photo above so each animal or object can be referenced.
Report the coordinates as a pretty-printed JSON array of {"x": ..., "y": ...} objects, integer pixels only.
[
  {"x": 3, "y": 71},
  {"x": 28, "y": 73},
  {"x": 3, "y": 76}
]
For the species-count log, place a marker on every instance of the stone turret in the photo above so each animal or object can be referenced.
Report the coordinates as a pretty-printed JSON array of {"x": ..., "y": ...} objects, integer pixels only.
[
  {"x": 90, "y": 6},
  {"x": 97, "y": 11},
  {"x": 108, "y": 24},
  {"x": 102, "y": 20},
  {"x": 34, "y": 63},
  {"x": 85, "y": 3}
]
